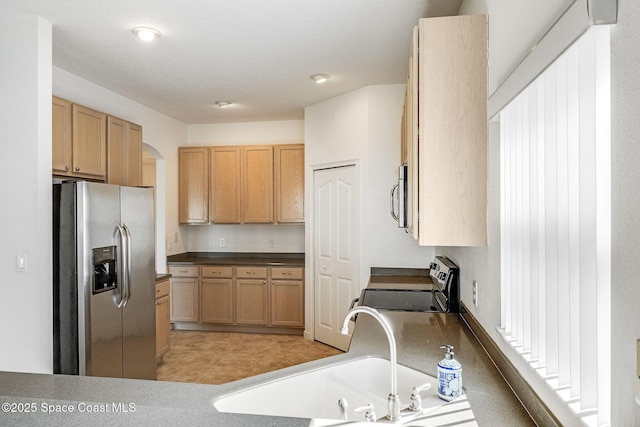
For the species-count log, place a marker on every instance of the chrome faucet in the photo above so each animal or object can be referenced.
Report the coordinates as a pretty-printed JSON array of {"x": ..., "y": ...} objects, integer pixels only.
[{"x": 393, "y": 400}]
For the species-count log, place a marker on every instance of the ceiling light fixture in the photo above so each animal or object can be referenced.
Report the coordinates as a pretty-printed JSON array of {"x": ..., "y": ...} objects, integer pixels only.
[
  {"x": 320, "y": 78},
  {"x": 222, "y": 104},
  {"x": 146, "y": 33}
]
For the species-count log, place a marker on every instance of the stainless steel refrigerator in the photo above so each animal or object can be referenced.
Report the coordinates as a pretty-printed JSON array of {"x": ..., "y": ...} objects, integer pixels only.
[{"x": 104, "y": 280}]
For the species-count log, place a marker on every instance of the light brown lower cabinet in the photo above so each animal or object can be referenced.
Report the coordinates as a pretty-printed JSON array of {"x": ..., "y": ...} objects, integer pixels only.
[
  {"x": 217, "y": 295},
  {"x": 184, "y": 299},
  {"x": 163, "y": 319},
  {"x": 287, "y": 297},
  {"x": 251, "y": 295},
  {"x": 259, "y": 297}
]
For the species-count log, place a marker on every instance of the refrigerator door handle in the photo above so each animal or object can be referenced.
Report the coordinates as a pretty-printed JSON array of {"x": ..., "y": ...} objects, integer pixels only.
[
  {"x": 124, "y": 266},
  {"x": 121, "y": 297},
  {"x": 128, "y": 262}
]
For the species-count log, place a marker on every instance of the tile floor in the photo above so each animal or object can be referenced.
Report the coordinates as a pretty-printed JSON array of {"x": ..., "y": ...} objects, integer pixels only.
[{"x": 221, "y": 357}]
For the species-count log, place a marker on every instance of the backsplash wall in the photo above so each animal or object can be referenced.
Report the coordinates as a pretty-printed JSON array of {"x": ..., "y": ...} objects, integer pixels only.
[{"x": 287, "y": 238}]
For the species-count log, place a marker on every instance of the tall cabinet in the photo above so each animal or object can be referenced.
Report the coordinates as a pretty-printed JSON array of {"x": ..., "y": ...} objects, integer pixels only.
[
  {"x": 193, "y": 194},
  {"x": 446, "y": 108}
]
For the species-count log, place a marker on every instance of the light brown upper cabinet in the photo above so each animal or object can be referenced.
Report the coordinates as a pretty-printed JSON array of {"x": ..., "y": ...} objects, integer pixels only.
[
  {"x": 451, "y": 104},
  {"x": 257, "y": 184},
  {"x": 79, "y": 141},
  {"x": 193, "y": 191},
  {"x": 226, "y": 185},
  {"x": 89, "y": 145},
  {"x": 89, "y": 142},
  {"x": 61, "y": 136},
  {"x": 244, "y": 184},
  {"x": 289, "y": 183},
  {"x": 124, "y": 152}
]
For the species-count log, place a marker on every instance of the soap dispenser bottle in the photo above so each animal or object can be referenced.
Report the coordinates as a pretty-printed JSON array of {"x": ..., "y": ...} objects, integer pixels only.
[{"x": 449, "y": 375}]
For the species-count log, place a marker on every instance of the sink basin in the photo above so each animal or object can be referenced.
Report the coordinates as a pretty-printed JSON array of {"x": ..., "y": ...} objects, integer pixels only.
[{"x": 315, "y": 393}]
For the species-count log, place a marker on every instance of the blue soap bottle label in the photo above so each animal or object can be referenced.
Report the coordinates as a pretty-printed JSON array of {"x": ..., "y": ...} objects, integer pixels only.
[{"x": 449, "y": 376}]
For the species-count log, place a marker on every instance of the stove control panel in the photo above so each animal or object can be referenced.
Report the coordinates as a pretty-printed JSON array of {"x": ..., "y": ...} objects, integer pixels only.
[{"x": 442, "y": 271}]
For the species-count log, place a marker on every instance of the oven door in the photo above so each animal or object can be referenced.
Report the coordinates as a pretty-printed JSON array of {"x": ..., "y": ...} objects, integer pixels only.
[{"x": 399, "y": 198}]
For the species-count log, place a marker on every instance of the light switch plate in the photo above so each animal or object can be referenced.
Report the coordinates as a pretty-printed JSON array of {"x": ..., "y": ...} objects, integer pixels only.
[{"x": 21, "y": 263}]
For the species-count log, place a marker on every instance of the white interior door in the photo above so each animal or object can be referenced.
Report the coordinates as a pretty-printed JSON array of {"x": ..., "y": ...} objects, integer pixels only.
[{"x": 335, "y": 251}]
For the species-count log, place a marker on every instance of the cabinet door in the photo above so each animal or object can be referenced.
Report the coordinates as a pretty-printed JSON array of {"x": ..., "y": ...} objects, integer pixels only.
[
  {"x": 61, "y": 136},
  {"x": 411, "y": 136},
  {"x": 184, "y": 299},
  {"x": 257, "y": 184},
  {"x": 453, "y": 131},
  {"x": 163, "y": 326},
  {"x": 289, "y": 183},
  {"x": 226, "y": 188},
  {"x": 251, "y": 302},
  {"x": 134, "y": 155},
  {"x": 116, "y": 149},
  {"x": 193, "y": 189},
  {"x": 89, "y": 142},
  {"x": 287, "y": 303},
  {"x": 217, "y": 301}
]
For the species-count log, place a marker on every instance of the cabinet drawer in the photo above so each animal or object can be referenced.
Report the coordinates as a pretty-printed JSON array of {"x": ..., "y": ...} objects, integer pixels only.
[
  {"x": 280, "y": 273},
  {"x": 184, "y": 271},
  {"x": 217, "y": 271},
  {"x": 162, "y": 289},
  {"x": 251, "y": 272}
]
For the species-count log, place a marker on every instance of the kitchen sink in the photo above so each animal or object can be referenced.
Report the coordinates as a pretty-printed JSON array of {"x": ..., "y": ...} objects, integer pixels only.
[{"x": 315, "y": 393}]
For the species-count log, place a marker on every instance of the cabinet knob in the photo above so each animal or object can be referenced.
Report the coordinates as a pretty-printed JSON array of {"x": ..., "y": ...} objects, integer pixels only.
[
  {"x": 68, "y": 168},
  {"x": 77, "y": 169}
]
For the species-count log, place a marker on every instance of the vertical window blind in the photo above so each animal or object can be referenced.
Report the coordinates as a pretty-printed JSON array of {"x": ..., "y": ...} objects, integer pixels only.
[{"x": 555, "y": 226}]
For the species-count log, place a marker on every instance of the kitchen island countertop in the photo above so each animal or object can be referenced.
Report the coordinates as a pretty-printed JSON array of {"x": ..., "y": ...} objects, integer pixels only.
[{"x": 140, "y": 402}]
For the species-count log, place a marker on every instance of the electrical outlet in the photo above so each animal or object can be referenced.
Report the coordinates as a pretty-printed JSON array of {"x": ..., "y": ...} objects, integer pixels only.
[
  {"x": 175, "y": 237},
  {"x": 272, "y": 243},
  {"x": 475, "y": 293},
  {"x": 223, "y": 242}
]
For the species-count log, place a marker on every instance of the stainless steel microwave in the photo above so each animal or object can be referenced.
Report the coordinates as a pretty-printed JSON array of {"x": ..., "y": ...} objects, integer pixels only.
[{"x": 399, "y": 198}]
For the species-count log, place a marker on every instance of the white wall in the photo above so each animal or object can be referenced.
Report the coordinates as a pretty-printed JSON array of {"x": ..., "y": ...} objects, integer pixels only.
[
  {"x": 159, "y": 131},
  {"x": 483, "y": 264},
  {"x": 254, "y": 237},
  {"x": 363, "y": 126},
  {"x": 625, "y": 205},
  {"x": 26, "y": 299}
]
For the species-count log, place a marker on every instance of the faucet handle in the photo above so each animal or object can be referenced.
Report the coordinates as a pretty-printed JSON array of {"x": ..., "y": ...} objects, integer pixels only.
[
  {"x": 369, "y": 414},
  {"x": 416, "y": 401},
  {"x": 344, "y": 409}
]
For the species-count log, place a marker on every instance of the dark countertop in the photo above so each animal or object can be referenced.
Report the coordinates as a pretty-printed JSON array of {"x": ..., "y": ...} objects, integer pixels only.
[
  {"x": 400, "y": 278},
  {"x": 238, "y": 258},
  {"x": 419, "y": 336},
  {"x": 162, "y": 276}
]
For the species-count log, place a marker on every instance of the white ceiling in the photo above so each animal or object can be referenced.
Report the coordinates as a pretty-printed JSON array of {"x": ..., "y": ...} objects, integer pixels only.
[{"x": 258, "y": 54}]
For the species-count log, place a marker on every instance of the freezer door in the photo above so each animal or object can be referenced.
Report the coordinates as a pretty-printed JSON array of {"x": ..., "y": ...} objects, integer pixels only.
[
  {"x": 139, "y": 324},
  {"x": 100, "y": 320}
]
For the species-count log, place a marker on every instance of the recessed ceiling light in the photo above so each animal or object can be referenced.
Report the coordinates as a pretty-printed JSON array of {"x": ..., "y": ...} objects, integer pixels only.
[
  {"x": 146, "y": 33},
  {"x": 222, "y": 104},
  {"x": 320, "y": 78}
]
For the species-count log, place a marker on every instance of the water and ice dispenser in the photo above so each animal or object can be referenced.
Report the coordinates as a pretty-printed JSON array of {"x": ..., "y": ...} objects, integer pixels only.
[{"x": 105, "y": 275}]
